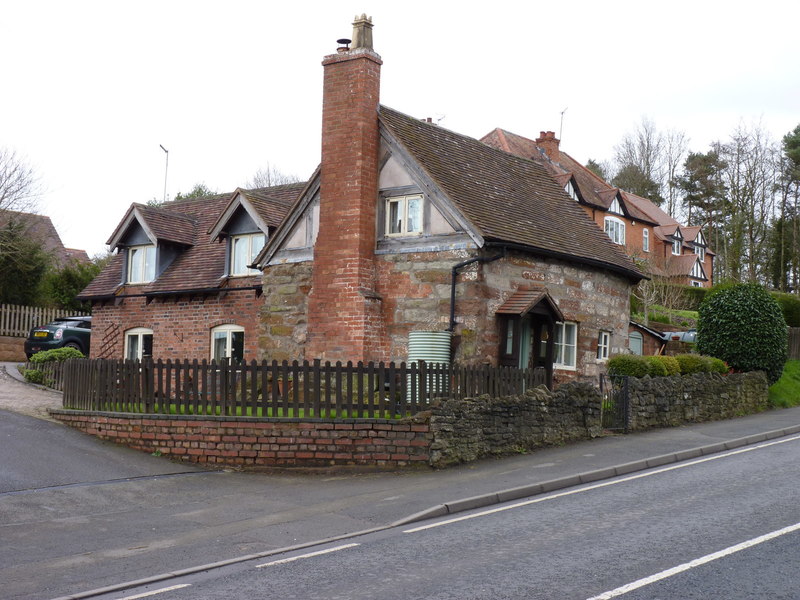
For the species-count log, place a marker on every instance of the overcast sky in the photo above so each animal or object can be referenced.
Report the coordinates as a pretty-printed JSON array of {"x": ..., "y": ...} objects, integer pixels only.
[{"x": 91, "y": 89}]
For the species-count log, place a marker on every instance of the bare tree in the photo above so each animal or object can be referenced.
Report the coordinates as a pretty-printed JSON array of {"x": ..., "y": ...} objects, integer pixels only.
[
  {"x": 269, "y": 177},
  {"x": 676, "y": 144},
  {"x": 642, "y": 148},
  {"x": 19, "y": 185}
]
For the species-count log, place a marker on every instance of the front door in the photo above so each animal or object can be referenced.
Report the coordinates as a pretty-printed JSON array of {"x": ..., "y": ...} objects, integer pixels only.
[{"x": 528, "y": 342}]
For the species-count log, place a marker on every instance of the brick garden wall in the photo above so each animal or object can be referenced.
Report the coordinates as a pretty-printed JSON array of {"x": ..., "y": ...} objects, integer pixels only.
[
  {"x": 181, "y": 326},
  {"x": 452, "y": 432}
]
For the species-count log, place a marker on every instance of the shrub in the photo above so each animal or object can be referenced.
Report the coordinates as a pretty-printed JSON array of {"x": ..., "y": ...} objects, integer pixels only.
[
  {"x": 693, "y": 297},
  {"x": 743, "y": 325},
  {"x": 672, "y": 365},
  {"x": 716, "y": 365},
  {"x": 790, "y": 307},
  {"x": 657, "y": 367},
  {"x": 628, "y": 364},
  {"x": 56, "y": 355},
  {"x": 34, "y": 376},
  {"x": 692, "y": 363}
]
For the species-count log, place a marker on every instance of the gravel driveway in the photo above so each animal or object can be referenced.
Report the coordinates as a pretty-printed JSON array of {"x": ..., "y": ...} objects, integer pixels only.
[{"x": 24, "y": 398}]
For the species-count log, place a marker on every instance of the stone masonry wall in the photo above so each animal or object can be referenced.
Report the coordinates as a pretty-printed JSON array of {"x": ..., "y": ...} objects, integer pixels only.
[
  {"x": 671, "y": 401},
  {"x": 284, "y": 315},
  {"x": 466, "y": 430},
  {"x": 181, "y": 327}
]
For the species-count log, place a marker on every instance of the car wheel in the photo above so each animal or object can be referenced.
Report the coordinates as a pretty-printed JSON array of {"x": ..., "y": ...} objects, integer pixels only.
[{"x": 74, "y": 345}]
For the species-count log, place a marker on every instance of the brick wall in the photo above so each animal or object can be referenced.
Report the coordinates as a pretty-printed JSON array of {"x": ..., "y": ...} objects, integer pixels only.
[
  {"x": 181, "y": 326},
  {"x": 344, "y": 311},
  {"x": 12, "y": 349},
  {"x": 228, "y": 441}
]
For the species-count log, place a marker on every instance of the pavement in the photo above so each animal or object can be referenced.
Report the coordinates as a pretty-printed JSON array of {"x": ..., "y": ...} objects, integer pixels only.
[{"x": 313, "y": 507}]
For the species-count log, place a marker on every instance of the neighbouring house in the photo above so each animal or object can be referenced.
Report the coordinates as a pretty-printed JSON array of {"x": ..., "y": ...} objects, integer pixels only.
[
  {"x": 648, "y": 234},
  {"x": 181, "y": 283},
  {"x": 405, "y": 226},
  {"x": 41, "y": 229}
]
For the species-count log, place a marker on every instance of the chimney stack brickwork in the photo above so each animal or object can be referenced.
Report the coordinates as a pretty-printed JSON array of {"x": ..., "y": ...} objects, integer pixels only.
[
  {"x": 548, "y": 142},
  {"x": 344, "y": 319}
]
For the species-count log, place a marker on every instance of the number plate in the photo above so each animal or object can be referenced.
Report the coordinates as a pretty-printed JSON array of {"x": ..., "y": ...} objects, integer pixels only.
[{"x": 40, "y": 333}]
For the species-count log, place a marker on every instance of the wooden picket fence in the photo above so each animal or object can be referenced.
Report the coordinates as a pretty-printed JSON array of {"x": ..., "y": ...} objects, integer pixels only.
[
  {"x": 17, "y": 321},
  {"x": 283, "y": 390}
]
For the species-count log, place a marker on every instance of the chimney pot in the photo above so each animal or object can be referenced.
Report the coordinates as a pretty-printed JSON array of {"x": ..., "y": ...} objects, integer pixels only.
[{"x": 362, "y": 32}]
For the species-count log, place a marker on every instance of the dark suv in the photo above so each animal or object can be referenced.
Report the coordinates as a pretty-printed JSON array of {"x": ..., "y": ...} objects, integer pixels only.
[{"x": 66, "y": 332}]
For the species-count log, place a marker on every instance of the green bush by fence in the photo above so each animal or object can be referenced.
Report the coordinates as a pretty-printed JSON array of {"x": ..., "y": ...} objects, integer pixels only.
[{"x": 660, "y": 366}]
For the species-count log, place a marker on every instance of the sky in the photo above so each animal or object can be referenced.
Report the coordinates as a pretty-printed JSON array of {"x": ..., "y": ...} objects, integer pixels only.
[{"x": 91, "y": 90}]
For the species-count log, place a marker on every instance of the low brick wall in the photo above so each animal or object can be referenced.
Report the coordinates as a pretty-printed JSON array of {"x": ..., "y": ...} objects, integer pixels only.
[
  {"x": 262, "y": 443},
  {"x": 466, "y": 430},
  {"x": 12, "y": 349},
  {"x": 452, "y": 432},
  {"x": 671, "y": 401}
]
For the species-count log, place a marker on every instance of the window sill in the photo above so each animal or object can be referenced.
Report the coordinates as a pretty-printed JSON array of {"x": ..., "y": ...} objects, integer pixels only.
[{"x": 564, "y": 368}]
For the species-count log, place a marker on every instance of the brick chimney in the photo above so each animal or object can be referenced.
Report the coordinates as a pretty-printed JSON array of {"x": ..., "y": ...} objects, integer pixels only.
[
  {"x": 344, "y": 310},
  {"x": 548, "y": 142}
]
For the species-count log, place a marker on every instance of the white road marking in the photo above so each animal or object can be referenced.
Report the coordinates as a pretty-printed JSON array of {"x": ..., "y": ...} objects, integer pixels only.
[
  {"x": 695, "y": 563},
  {"x": 155, "y": 592},
  {"x": 309, "y": 555},
  {"x": 588, "y": 488}
]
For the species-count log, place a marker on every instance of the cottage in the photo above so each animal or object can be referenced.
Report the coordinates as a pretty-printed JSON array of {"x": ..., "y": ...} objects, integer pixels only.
[
  {"x": 409, "y": 226},
  {"x": 405, "y": 226}
]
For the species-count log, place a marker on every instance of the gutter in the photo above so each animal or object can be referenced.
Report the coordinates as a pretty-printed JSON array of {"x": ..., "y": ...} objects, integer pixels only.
[
  {"x": 209, "y": 290},
  {"x": 454, "y": 275}
]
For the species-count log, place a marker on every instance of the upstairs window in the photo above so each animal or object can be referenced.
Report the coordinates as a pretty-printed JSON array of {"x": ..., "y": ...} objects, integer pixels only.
[
  {"x": 573, "y": 193},
  {"x": 139, "y": 343},
  {"x": 646, "y": 240},
  {"x": 615, "y": 229},
  {"x": 227, "y": 341},
  {"x": 404, "y": 215},
  {"x": 615, "y": 207},
  {"x": 244, "y": 249},
  {"x": 141, "y": 264},
  {"x": 677, "y": 242},
  {"x": 700, "y": 251}
]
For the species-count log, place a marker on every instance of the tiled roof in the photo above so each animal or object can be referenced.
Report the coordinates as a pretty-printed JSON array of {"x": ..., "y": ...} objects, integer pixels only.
[
  {"x": 41, "y": 228},
  {"x": 507, "y": 198},
  {"x": 525, "y": 299},
  {"x": 273, "y": 204},
  {"x": 200, "y": 265},
  {"x": 676, "y": 266}
]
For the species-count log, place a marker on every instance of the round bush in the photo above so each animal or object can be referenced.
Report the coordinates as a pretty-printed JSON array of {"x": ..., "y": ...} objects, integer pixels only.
[
  {"x": 657, "y": 367},
  {"x": 790, "y": 307},
  {"x": 56, "y": 354},
  {"x": 717, "y": 366},
  {"x": 672, "y": 365},
  {"x": 691, "y": 363},
  {"x": 628, "y": 364},
  {"x": 743, "y": 325}
]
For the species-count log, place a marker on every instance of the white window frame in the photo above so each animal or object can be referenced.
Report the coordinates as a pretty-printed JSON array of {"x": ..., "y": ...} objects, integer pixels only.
[
  {"x": 137, "y": 333},
  {"x": 228, "y": 330},
  {"x": 248, "y": 238},
  {"x": 615, "y": 229},
  {"x": 677, "y": 243},
  {"x": 141, "y": 274},
  {"x": 570, "y": 189},
  {"x": 570, "y": 330},
  {"x": 697, "y": 284},
  {"x": 700, "y": 251},
  {"x": 646, "y": 240},
  {"x": 603, "y": 345},
  {"x": 615, "y": 207},
  {"x": 402, "y": 203}
]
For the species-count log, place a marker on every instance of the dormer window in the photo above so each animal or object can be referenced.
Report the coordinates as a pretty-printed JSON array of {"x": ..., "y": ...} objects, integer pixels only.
[
  {"x": 615, "y": 229},
  {"x": 677, "y": 243},
  {"x": 615, "y": 207},
  {"x": 141, "y": 264},
  {"x": 700, "y": 251},
  {"x": 244, "y": 249},
  {"x": 404, "y": 215},
  {"x": 573, "y": 193}
]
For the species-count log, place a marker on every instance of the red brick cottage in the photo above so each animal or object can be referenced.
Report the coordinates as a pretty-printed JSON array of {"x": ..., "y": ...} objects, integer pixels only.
[
  {"x": 409, "y": 226},
  {"x": 180, "y": 285},
  {"x": 404, "y": 226}
]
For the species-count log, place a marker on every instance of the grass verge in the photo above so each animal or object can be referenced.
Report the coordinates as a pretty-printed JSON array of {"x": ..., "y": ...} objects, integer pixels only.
[{"x": 785, "y": 392}]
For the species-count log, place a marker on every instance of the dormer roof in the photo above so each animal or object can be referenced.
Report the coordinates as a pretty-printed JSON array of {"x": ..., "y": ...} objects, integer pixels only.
[
  {"x": 159, "y": 224},
  {"x": 266, "y": 208}
]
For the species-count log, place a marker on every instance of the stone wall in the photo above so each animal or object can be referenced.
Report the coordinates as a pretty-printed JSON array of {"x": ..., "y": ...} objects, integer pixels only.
[
  {"x": 284, "y": 315},
  {"x": 12, "y": 349},
  {"x": 466, "y": 430},
  {"x": 671, "y": 401}
]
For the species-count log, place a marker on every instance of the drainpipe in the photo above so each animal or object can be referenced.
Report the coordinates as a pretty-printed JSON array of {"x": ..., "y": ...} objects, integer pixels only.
[{"x": 454, "y": 275}]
